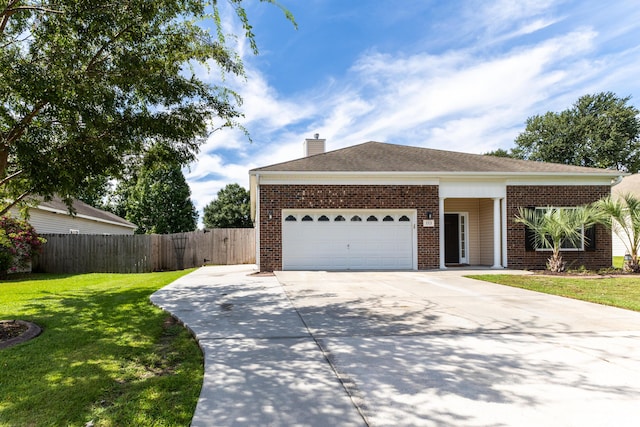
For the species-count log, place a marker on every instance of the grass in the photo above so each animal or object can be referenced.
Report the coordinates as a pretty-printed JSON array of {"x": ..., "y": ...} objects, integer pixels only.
[
  {"x": 618, "y": 261},
  {"x": 618, "y": 291},
  {"x": 106, "y": 356}
]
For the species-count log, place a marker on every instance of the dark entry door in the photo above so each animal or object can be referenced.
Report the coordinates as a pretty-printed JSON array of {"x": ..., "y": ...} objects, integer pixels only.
[{"x": 451, "y": 239}]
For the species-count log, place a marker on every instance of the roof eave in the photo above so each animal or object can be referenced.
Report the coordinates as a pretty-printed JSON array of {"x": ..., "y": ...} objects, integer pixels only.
[{"x": 502, "y": 175}]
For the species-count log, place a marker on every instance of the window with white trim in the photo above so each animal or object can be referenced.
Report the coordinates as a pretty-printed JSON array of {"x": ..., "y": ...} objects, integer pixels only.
[{"x": 586, "y": 242}]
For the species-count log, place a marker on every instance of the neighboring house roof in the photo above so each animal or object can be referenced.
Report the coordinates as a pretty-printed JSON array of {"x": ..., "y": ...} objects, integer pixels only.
[
  {"x": 629, "y": 184},
  {"x": 382, "y": 157},
  {"x": 83, "y": 210}
]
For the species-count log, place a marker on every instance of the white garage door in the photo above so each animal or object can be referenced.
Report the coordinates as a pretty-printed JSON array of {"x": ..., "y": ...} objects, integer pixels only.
[{"x": 347, "y": 240}]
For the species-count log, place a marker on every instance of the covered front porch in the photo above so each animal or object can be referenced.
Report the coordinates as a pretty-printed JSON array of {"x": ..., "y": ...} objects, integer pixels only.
[{"x": 473, "y": 226}]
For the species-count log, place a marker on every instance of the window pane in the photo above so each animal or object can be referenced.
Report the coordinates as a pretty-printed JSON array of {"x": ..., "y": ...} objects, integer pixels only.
[
  {"x": 404, "y": 218},
  {"x": 323, "y": 218},
  {"x": 356, "y": 218},
  {"x": 339, "y": 218},
  {"x": 387, "y": 218},
  {"x": 372, "y": 218},
  {"x": 290, "y": 218},
  {"x": 307, "y": 218}
]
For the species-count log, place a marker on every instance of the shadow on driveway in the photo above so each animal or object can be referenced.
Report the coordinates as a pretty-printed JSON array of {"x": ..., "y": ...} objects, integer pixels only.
[{"x": 403, "y": 349}]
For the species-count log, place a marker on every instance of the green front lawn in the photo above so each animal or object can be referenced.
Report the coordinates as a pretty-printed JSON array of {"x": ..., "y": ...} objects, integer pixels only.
[
  {"x": 618, "y": 291},
  {"x": 106, "y": 354}
]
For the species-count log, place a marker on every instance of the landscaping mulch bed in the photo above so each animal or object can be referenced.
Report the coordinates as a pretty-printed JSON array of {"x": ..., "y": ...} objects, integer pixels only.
[{"x": 14, "y": 332}]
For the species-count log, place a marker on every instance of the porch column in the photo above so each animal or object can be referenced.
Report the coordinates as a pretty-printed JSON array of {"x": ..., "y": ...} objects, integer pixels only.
[
  {"x": 505, "y": 263},
  {"x": 497, "y": 240},
  {"x": 441, "y": 232}
]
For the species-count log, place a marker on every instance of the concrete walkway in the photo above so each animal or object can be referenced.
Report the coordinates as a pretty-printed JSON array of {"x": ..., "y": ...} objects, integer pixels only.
[{"x": 403, "y": 349}]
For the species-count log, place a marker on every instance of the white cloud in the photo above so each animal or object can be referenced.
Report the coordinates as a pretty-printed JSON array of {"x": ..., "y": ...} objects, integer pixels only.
[{"x": 472, "y": 99}]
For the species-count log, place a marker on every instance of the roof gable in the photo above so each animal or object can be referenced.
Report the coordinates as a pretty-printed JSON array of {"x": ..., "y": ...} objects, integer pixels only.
[{"x": 382, "y": 157}]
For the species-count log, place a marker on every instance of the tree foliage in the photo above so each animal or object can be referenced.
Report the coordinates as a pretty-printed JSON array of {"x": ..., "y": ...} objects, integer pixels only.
[
  {"x": 231, "y": 209},
  {"x": 623, "y": 217},
  {"x": 19, "y": 242},
  {"x": 554, "y": 226},
  {"x": 600, "y": 130},
  {"x": 85, "y": 83},
  {"x": 160, "y": 202},
  {"x": 500, "y": 152}
]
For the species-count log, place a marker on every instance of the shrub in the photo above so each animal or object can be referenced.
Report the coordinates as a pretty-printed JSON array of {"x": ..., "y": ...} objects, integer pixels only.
[{"x": 19, "y": 242}]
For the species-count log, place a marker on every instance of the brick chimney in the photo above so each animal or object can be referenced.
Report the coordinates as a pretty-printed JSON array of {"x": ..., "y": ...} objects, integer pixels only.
[{"x": 313, "y": 146}]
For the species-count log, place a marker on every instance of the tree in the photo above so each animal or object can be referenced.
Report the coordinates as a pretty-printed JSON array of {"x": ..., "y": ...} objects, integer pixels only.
[
  {"x": 500, "y": 152},
  {"x": 600, "y": 130},
  {"x": 19, "y": 242},
  {"x": 160, "y": 202},
  {"x": 86, "y": 83},
  {"x": 552, "y": 228},
  {"x": 623, "y": 217},
  {"x": 230, "y": 209}
]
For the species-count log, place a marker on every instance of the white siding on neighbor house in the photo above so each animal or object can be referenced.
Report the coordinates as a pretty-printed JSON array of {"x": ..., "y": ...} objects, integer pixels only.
[
  {"x": 46, "y": 222},
  {"x": 618, "y": 248}
]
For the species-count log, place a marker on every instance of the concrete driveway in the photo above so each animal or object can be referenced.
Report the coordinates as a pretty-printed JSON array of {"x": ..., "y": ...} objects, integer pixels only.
[{"x": 404, "y": 349}]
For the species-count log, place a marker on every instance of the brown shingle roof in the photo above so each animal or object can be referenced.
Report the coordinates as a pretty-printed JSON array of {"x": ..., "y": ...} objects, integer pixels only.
[{"x": 382, "y": 157}]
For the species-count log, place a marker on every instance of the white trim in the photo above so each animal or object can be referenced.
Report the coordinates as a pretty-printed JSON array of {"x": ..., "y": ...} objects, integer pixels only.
[
  {"x": 554, "y": 180},
  {"x": 496, "y": 234},
  {"x": 257, "y": 221},
  {"x": 495, "y": 183},
  {"x": 607, "y": 177},
  {"x": 505, "y": 262},
  {"x": 480, "y": 189},
  {"x": 443, "y": 265}
]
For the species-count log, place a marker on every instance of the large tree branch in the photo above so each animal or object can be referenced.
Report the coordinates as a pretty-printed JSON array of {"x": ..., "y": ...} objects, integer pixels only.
[
  {"x": 12, "y": 9},
  {"x": 18, "y": 130},
  {"x": 97, "y": 55},
  {"x": 10, "y": 177},
  {"x": 17, "y": 200}
]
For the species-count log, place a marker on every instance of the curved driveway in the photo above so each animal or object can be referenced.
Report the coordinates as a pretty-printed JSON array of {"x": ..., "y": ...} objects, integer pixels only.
[{"x": 403, "y": 349}]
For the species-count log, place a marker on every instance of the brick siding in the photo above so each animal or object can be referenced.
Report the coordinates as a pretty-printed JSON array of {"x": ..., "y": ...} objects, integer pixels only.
[
  {"x": 424, "y": 198},
  {"x": 559, "y": 196},
  {"x": 274, "y": 198}
]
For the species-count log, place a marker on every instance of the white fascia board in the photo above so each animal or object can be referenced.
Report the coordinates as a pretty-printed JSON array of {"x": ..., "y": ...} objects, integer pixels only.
[
  {"x": 433, "y": 178},
  {"x": 563, "y": 180},
  {"x": 91, "y": 218},
  {"x": 348, "y": 178}
]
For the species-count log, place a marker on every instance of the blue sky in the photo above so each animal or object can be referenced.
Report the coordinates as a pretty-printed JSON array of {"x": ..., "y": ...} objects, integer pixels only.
[{"x": 454, "y": 75}]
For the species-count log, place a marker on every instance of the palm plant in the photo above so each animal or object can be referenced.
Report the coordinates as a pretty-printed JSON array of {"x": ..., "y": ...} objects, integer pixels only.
[
  {"x": 622, "y": 215},
  {"x": 552, "y": 228}
]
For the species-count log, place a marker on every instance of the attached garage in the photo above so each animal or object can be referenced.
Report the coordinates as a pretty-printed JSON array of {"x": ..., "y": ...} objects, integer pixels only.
[
  {"x": 384, "y": 206},
  {"x": 338, "y": 239}
]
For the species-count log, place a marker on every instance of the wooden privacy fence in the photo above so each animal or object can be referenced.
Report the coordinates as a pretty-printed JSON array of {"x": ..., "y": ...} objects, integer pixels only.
[{"x": 90, "y": 253}]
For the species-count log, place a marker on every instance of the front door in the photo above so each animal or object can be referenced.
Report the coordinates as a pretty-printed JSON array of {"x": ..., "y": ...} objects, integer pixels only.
[
  {"x": 455, "y": 238},
  {"x": 451, "y": 239}
]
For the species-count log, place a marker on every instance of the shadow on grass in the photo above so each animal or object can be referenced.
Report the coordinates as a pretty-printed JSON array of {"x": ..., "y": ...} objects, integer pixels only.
[{"x": 104, "y": 356}]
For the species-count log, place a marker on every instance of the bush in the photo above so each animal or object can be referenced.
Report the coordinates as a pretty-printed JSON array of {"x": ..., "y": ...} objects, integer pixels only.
[{"x": 19, "y": 242}]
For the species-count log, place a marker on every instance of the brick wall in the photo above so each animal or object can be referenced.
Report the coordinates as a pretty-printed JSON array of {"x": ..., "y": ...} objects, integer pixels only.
[
  {"x": 560, "y": 196},
  {"x": 274, "y": 198}
]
